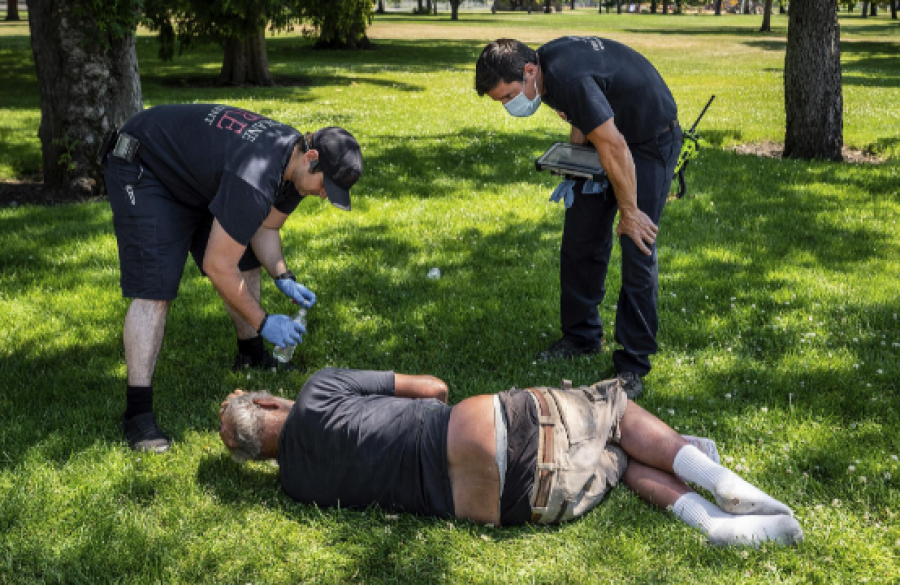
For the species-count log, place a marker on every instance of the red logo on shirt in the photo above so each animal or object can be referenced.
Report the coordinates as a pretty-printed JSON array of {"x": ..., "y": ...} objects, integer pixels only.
[{"x": 230, "y": 121}]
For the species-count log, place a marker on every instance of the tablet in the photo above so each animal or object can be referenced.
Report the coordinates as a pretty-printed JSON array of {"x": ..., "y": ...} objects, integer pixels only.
[{"x": 571, "y": 160}]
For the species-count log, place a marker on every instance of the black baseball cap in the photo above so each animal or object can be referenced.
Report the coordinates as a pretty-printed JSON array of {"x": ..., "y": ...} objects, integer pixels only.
[{"x": 340, "y": 160}]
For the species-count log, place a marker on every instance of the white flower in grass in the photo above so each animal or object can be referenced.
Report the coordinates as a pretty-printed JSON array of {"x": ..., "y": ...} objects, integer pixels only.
[
  {"x": 878, "y": 372},
  {"x": 887, "y": 475},
  {"x": 764, "y": 409},
  {"x": 893, "y": 457},
  {"x": 851, "y": 469},
  {"x": 671, "y": 412},
  {"x": 862, "y": 479},
  {"x": 835, "y": 503},
  {"x": 728, "y": 396}
]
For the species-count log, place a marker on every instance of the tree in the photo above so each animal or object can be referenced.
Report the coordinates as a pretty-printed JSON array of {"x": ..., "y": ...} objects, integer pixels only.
[
  {"x": 87, "y": 71},
  {"x": 454, "y": 9},
  {"x": 12, "y": 10},
  {"x": 865, "y": 9},
  {"x": 239, "y": 26},
  {"x": 339, "y": 24},
  {"x": 812, "y": 82},
  {"x": 895, "y": 6},
  {"x": 767, "y": 17}
]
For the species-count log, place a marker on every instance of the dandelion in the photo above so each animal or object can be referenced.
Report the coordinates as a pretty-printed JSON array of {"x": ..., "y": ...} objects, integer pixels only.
[
  {"x": 728, "y": 396},
  {"x": 887, "y": 476},
  {"x": 862, "y": 479},
  {"x": 893, "y": 457},
  {"x": 851, "y": 469},
  {"x": 835, "y": 503},
  {"x": 764, "y": 409},
  {"x": 485, "y": 538}
]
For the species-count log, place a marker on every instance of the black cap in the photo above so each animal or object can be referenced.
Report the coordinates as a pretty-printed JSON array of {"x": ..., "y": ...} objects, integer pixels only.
[{"x": 340, "y": 160}]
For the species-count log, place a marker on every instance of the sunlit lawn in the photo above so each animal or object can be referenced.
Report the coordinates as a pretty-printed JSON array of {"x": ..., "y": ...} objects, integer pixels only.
[{"x": 779, "y": 333}]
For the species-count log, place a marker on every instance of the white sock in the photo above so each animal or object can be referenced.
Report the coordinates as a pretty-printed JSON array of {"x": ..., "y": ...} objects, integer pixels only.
[
  {"x": 726, "y": 529},
  {"x": 733, "y": 494}
]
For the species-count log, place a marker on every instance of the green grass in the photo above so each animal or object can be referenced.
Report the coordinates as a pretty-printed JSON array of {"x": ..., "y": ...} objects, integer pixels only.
[{"x": 779, "y": 333}]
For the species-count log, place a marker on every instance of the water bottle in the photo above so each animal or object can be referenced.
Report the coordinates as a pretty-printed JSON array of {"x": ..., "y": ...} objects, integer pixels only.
[{"x": 284, "y": 355}]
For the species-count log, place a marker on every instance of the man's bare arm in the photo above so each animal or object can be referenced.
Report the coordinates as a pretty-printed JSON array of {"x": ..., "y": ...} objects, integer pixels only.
[
  {"x": 221, "y": 265},
  {"x": 416, "y": 387},
  {"x": 615, "y": 157},
  {"x": 266, "y": 243}
]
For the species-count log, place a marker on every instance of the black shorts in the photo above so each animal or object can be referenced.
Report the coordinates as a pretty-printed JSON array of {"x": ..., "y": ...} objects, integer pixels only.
[
  {"x": 155, "y": 231},
  {"x": 522, "y": 447}
]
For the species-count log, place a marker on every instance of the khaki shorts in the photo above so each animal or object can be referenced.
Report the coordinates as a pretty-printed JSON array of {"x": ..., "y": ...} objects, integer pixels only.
[{"x": 578, "y": 457}]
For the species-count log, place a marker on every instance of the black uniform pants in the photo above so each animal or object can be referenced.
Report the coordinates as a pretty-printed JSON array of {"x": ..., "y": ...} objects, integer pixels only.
[{"x": 584, "y": 258}]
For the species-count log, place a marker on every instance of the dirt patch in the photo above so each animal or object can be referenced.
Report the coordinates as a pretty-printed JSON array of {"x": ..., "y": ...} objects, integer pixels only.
[
  {"x": 30, "y": 191},
  {"x": 774, "y": 150}
]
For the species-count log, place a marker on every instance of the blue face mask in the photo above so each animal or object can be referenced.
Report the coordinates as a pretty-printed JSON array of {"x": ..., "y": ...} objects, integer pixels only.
[{"x": 522, "y": 107}]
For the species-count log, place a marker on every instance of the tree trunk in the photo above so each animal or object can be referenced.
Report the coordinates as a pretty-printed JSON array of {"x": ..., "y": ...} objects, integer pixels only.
[
  {"x": 421, "y": 8},
  {"x": 428, "y": 6},
  {"x": 865, "y": 9},
  {"x": 894, "y": 7},
  {"x": 572, "y": 5},
  {"x": 547, "y": 9},
  {"x": 380, "y": 9},
  {"x": 652, "y": 6},
  {"x": 665, "y": 6},
  {"x": 454, "y": 9},
  {"x": 246, "y": 62},
  {"x": 718, "y": 7},
  {"x": 618, "y": 6},
  {"x": 12, "y": 10},
  {"x": 873, "y": 8},
  {"x": 813, "y": 99},
  {"x": 85, "y": 90},
  {"x": 767, "y": 17}
]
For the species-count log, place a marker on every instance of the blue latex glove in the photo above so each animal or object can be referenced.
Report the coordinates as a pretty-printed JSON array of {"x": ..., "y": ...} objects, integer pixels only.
[
  {"x": 592, "y": 187},
  {"x": 564, "y": 191},
  {"x": 296, "y": 292},
  {"x": 282, "y": 330}
]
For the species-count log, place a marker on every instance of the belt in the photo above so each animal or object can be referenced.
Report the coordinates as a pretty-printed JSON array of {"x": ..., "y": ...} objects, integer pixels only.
[{"x": 545, "y": 454}]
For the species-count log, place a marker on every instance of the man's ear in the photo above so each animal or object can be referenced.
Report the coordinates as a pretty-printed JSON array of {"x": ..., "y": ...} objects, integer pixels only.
[{"x": 266, "y": 403}]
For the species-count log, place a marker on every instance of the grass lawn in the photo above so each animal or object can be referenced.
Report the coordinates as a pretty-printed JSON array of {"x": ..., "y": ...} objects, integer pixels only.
[{"x": 780, "y": 335}]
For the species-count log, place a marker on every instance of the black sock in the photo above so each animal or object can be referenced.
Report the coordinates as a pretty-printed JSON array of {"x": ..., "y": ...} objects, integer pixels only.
[
  {"x": 254, "y": 348},
  {"x": 138, "y": 400}
]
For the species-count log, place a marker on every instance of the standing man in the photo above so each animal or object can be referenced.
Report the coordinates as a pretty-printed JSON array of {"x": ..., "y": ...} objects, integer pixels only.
[
  {"x": 617, "y": 101},
  {"x": 220, "y": 182}
]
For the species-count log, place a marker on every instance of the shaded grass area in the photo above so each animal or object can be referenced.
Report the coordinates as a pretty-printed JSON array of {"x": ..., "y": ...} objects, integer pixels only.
[{"x": 778, "y": 311}]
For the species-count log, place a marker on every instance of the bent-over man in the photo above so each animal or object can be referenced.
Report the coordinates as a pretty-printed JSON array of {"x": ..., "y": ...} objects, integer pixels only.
[
  {"x": 355, "y": 438},
  {"x": 219, "y": 182},
  {"x": 616, "y": 101}
]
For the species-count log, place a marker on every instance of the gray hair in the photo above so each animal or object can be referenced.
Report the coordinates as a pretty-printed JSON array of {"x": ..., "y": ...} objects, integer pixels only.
[{"x": 244, "y": 420}]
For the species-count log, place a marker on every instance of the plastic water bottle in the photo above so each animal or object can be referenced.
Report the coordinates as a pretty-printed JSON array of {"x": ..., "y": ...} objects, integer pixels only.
[{"x": 284, "y": 355}]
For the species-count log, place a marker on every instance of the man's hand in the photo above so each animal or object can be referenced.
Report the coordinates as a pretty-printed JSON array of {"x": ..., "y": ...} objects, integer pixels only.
[
  {"x": 637, "y": 226},
  {"x": 282, "y": 330},
  {"x": 296, "y": 292}
]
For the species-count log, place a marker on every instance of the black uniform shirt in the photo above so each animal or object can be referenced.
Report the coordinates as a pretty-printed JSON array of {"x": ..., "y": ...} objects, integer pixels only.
[
  {"x": 349, "y": 441},
  {"x": 591, "y": 80},
  {"x": 226, "y": 159}
]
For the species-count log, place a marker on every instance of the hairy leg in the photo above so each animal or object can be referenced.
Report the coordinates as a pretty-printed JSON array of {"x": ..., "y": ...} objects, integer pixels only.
[
  {"x": 649, "y": 440},
  {"x": 654, "y": 486},
  {"x": 243, "y": 329},
  {"x": 145, "y": 326}
]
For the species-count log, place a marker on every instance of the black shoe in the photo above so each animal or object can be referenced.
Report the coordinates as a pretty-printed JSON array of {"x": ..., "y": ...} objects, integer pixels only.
[
  {"x": 144, "y": 434},
  {"x": 631, "y": 384},
  {"x": 567, "y": 348},
  {"x": 268, "y": 362}
]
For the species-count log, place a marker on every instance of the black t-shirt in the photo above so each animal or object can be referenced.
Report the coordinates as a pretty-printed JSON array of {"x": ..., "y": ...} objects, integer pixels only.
[
  {"x": 591, "y": 80},
  {"x": 223, "y": 158},
  {"x": 349, "y": 441}
]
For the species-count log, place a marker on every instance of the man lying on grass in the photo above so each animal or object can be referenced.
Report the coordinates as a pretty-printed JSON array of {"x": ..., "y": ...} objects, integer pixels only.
[{"x": 544, "y": 455}]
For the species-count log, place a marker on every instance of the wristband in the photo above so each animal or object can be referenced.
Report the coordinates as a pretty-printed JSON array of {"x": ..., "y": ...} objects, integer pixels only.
[
  {"x": 286, "y": 274},
  {"x": 262, "y": 324}
]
